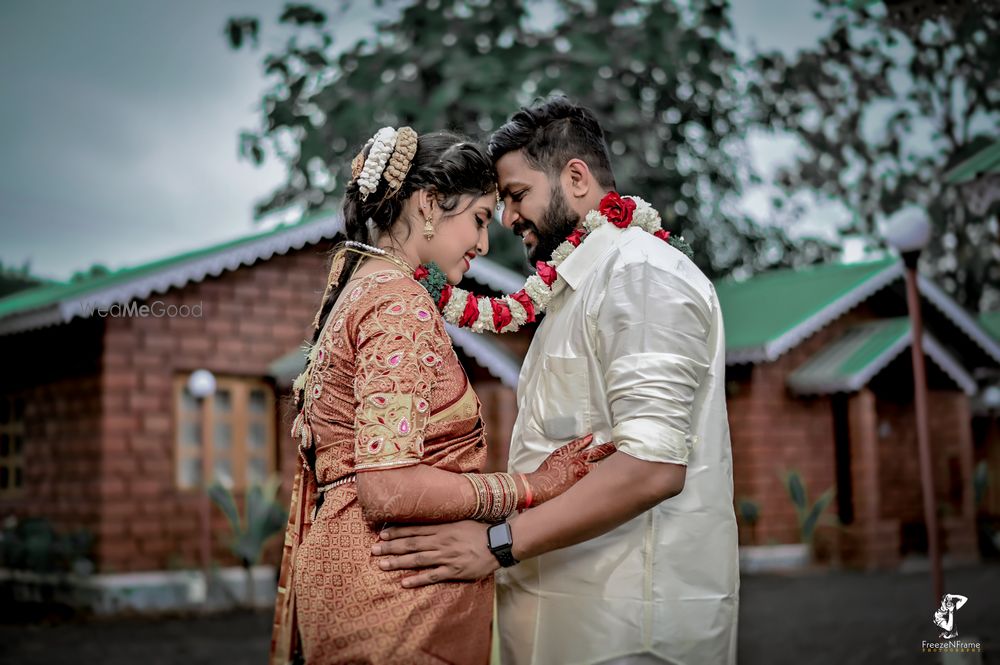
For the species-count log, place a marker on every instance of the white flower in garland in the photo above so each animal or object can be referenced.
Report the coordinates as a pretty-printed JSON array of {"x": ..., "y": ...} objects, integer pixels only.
[
  {"x": 508, "y": 313},
  {"x": 562, "y": 252},
  {"x": 456, "y": 305}
]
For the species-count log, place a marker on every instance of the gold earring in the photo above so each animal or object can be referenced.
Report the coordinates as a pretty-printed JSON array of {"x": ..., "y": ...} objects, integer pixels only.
[{"x": 429, "y": 227}]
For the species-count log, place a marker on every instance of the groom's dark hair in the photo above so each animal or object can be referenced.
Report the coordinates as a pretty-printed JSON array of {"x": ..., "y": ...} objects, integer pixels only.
[{"x": 552, "y": 132}]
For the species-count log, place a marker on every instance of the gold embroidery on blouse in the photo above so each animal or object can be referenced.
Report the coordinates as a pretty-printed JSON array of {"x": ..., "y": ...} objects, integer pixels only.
[
  {"x": 308, "y": 386},
  {"x": 397, "y": 364},
  {"x": 466, "y": 407}
]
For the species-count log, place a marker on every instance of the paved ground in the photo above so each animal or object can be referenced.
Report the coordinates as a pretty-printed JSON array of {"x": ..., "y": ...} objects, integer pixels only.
[
  {"x": 818, "y": 619},
  {"x": 841, "y": 618}
]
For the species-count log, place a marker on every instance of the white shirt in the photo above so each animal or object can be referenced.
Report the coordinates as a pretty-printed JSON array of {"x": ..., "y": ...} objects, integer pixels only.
[{"x": 632, "y": 349}]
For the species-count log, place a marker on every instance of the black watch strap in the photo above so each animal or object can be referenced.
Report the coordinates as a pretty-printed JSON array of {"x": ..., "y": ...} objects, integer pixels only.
[{"x": 499, "y": 540}]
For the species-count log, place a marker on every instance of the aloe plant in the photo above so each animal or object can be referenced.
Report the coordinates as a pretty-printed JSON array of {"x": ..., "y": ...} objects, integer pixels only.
[
  {"x": 808, "y": 514},
  {"x": 749, "y": 511},
  {"x": 263, "y": 518}
]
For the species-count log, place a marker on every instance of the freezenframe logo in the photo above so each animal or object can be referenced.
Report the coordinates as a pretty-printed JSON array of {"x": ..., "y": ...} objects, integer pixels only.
[
  {"x": 156, "y": 309},
  {"x": 944, "y": 619}
]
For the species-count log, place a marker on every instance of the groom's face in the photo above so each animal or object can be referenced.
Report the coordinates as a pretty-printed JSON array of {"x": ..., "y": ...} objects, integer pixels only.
[{"x": 534, "y": 206}]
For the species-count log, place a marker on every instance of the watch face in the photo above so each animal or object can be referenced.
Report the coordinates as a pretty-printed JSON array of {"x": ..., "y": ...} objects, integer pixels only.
[{"x": 499, "y": 536}]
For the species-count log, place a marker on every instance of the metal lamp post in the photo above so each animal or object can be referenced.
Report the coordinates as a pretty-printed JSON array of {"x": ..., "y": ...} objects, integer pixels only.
[
  {"x": 908, "y": 232},
  {"x": 201, "y": 384}
]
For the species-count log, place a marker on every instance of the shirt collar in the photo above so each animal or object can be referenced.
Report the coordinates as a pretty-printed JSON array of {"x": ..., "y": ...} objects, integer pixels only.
[{"x": 584, "y": 258}]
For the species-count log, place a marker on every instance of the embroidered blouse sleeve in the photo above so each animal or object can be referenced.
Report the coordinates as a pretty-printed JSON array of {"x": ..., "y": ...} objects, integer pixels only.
[{"x": 396, "y": 365}]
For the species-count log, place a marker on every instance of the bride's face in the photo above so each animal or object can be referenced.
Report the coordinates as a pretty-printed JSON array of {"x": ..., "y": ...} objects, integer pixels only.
[{"x": 461, "y": 236}]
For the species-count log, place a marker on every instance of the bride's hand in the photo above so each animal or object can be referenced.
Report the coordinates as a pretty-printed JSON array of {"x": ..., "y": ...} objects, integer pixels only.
[{"x": 564, "y": 467}]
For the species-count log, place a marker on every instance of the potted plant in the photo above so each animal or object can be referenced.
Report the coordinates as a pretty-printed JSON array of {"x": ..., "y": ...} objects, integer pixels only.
[
  {"x": 771, "y": 557},
  {"x": 808, "y": 514},
  {"x": 263, "y": 517},
  {"x": 749, "y": 513}
]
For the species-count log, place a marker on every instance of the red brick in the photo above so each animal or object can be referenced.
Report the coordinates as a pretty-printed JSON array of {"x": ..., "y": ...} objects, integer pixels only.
[
  {"x": 120, "y": 378},
  {"x": 156, "y": 423},
  {"x": 198, "y": 343},
  {"x": 110, "y": 487}
]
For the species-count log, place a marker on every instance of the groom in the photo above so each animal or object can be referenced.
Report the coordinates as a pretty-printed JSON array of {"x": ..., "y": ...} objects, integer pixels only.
[{"x": 636, "y": 563}]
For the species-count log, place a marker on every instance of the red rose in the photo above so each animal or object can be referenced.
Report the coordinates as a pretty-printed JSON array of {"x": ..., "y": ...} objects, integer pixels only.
[
  {"x": 617, "y": 209},
  {"x": 445, "y": 296},
  {"x": 524, "y": 300},
  {"x": 576, "y": 237},
  {"x": 501, "y": 314},
  {"x": 420, "y": 273},
  {"x": 471, "y": 313},
  {"x": 663, "y": 235},
  {"x": 546, "y": 272}
]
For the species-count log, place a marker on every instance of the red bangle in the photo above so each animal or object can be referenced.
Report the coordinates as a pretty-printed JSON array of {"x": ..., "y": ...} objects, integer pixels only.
[{"x": 527, "y": 491}]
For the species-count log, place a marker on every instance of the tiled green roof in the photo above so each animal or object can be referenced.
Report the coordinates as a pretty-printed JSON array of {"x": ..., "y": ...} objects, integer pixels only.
[
  {"x": 773, "y": 311},
  {"x": 59, "y": 302},
  {"x": 982, "y": 162},
  {"x": 49, "y": 301},
  {"x": 851, "y": 361}
]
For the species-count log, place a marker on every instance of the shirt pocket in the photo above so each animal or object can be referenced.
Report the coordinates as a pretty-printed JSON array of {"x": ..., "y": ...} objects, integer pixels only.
[{"x": 562, "y": 401}]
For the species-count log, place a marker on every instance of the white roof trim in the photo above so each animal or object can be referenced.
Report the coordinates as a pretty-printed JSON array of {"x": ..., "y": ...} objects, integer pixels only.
[
  {"x": 195, "y": 270},
  {"x": 859, "y": 380},
  {"x": 212, "y": 265},
  {"x": 934, "y": 293},
  {"x": 487, "y": 354},
  {"x": 495, "y": 276},
  {"x": 796, "y": 335},
  {"x": 949, "y": 365},
  {"x": 932, "y": 349},
  {"x": 38, "y": 318},
  {"x": 965, "y": 321},
  {"x": 890, "y": 354}
]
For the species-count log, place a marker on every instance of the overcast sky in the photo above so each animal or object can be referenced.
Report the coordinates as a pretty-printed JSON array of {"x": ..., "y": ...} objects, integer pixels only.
[{"x": 120, "y": 121}]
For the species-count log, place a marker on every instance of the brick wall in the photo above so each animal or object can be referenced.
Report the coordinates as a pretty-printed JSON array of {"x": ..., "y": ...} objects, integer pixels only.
[
  {"x": 56, "y": 371},
  {"x": 773, "y": 431},
  {"x": 249, "y": 317},
  {"x": 949, "y": 422}
]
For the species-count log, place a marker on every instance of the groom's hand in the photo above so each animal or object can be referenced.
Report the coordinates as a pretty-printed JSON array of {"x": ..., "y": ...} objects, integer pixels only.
[{"x": 436, "y": 553}]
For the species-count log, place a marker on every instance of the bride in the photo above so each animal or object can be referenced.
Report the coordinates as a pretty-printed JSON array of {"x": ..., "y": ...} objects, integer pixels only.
[{"x": 390, "y": 429}]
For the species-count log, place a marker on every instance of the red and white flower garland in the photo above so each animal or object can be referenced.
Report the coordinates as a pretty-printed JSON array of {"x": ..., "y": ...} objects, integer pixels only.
[{"x": 508, "y": 313}]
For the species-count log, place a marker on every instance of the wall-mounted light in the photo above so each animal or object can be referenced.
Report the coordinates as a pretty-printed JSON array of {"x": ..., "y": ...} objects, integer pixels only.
[{"x": 201, "y": 383}]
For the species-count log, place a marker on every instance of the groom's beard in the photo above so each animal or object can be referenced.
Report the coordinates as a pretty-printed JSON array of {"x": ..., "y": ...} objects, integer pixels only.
[{"x": 557, "y": 222}]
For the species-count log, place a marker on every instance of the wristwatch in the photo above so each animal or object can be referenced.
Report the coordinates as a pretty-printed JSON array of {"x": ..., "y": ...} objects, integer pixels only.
[{"x": 500, "y": 540}]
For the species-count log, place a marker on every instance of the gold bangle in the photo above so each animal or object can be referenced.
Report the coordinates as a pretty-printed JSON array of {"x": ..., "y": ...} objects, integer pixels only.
[
  {"x": 510, "y": 494},
  {"x": 475, "y": 490}
]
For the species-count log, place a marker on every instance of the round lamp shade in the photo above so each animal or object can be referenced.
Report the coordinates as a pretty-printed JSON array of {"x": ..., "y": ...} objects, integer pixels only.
[
  {"x": 908, "y": 230},
  {"x": 201, "y": 383}
]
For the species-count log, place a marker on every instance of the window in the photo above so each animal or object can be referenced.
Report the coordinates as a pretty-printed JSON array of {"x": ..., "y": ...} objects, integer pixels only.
[
  {"x": 226, "y": 437},
  {"x": 11, "y": 446}
]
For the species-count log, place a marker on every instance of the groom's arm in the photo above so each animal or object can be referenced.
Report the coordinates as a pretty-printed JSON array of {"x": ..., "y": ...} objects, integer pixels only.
[
  {"x": 619, "y": 489},
  {"x": 653, "y": 345}
]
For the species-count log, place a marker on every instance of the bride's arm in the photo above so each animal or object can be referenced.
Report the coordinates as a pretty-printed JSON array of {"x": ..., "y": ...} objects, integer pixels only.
[
  {"x": 418, "y": 493},
  {"x": 421, "y": 493},
  {"x": 399, "y": 354}
]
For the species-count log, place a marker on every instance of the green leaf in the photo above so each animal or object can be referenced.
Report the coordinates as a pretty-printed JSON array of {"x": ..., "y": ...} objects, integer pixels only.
[
  {"x": 796, "y": 490},
  {"x": 223, "y": 499},
  {"x": 808, "y": 526}
]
